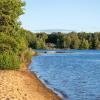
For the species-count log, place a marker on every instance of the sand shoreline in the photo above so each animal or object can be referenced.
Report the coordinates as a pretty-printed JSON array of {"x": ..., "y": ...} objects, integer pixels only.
[
  {"x": 23, "y": 85},
  {"x": 45, "y": 87}
]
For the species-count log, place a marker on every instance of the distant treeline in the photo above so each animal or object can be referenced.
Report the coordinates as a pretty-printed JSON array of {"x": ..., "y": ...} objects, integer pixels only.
[{"x": 72, "y": 40}]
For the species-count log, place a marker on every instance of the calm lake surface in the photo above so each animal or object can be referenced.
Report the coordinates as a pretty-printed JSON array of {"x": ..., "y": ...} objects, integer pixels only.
[{"x": 75, "y": 74}]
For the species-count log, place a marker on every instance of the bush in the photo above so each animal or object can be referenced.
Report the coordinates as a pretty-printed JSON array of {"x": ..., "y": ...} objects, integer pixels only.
[
  {"x": 7, "y": 43},
  {"x": 26, "y": 56},
  {"x": 9, "y": 60}
]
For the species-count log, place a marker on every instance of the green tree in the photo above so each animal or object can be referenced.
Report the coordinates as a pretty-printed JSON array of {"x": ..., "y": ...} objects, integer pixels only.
[
  {"x": 84, "y": 44},
  {"x": 67, "y": 41},
  {"x": 56, "y": 38},
  {"x": 11, "y": 45},
  {"x": 75, "y": 42},
  {"x": 10, "y": 10},
  {"x": 42, "y": 37},
  {"x": 97, "y": 44}
]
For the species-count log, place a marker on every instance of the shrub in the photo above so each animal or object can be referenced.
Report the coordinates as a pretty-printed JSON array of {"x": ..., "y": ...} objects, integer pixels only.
[
  {"x": 9, "y": 60},
  {"x": 26, "y": 56},
  {"x": 7, "y": 43}
]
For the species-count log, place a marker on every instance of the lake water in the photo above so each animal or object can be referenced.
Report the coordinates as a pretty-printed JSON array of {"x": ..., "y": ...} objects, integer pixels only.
[{"x": 75, "y": 74}]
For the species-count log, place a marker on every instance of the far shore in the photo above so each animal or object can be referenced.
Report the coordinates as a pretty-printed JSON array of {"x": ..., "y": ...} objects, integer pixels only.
[{"x": 23, "y": 85}]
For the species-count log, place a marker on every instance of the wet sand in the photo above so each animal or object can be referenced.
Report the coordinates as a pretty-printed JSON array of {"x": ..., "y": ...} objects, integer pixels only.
[{"x": 23, "y": 85}]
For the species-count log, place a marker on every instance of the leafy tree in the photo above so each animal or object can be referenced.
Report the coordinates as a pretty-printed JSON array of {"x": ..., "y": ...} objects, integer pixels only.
[
  {"x": 85, "y": 44},
  {"x": 11, "y": 45},
  {"x": 40, "y": 44},
  {"x": 97, "y": 44},
  {"x": 57, "y": 39},
  {"x": 67, "y": 41},
  {"x": 10, "y": 10}
]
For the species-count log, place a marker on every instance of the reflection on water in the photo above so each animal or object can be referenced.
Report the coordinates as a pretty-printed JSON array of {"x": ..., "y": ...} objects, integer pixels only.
[{"x": 76, "y": 75}]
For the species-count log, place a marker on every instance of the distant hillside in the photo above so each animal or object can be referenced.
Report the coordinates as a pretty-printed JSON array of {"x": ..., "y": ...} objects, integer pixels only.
[{"x": 54, "y": 30}]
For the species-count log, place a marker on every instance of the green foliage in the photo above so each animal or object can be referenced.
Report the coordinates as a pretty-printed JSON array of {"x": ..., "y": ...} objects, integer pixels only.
[
  {"x": 9, "y": 60},
  {"x": 75, "y": 42},
  {"x": 7, "y": 43},
  {"x": 26, "y": 56},
  {"x": 42, "y": 36},
  {"x": 12, "y": 45},
  {"x": 28, "y": 36},
  {"x": 84, "y": 44},
  {"x": 97, "y": 44},
  {"x": 67, "y": 41},
  {"x": 10, "y": 10},
  {"x": 40, "y": 44},
  {"x": 57, "y": 39},
  {"x": 72, "y": 40}
]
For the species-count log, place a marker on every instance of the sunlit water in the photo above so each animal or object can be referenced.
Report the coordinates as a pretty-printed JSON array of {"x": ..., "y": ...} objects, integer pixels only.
[{"x": 74, "y": 74}]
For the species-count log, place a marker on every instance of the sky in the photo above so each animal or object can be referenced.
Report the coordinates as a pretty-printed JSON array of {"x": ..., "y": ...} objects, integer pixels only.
[{"x": 77, "y": 15}]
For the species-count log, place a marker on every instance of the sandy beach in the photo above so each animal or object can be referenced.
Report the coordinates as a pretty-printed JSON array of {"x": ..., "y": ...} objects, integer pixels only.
[{"x": 22, "y": 85}]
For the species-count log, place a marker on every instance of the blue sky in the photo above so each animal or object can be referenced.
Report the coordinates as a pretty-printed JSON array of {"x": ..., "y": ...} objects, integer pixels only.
[{"x": 78, "y": 15}]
